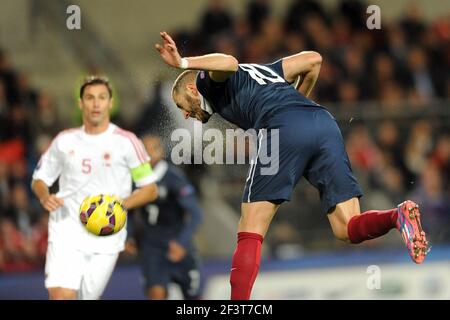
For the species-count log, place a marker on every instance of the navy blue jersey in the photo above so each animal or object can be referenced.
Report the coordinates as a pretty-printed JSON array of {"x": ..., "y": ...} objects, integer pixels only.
[
  {"x": 251, "y": 95},
  {"x": 175, "y": 214}
]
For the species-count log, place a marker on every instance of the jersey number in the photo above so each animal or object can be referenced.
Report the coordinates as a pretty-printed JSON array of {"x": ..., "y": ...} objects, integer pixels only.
[
  {"x": 86, "y": 166},
  {"x": 261, "y": 73},
  {"x": 153, "y": 212}
]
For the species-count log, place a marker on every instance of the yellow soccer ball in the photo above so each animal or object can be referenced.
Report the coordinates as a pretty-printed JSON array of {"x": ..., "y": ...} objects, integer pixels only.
[{"x": 103, "y": 215}]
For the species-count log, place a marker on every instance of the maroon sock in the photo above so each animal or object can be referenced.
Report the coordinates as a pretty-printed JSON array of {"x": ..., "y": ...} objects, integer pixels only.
[
  {"x": 371, "y": 224},
  {"x": 245, "y": 265}
]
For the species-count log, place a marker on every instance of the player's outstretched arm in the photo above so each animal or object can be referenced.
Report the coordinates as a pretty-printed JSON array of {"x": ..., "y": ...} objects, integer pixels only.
[
  {"x": 303, "y": 67},
  {"x": 141, "y": 196},
  {"x": 220, "y": 66}
]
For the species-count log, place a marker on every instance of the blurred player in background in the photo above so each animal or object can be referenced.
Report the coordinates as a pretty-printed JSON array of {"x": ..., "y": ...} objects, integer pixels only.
[
  {"x": 167, "y": 253},
  {"x": 98, "y": 157},
  {"x": 310, "y": 145}
]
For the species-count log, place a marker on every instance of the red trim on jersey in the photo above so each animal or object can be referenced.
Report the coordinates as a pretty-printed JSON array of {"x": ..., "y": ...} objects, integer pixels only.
[{"x": 134, "y": 141}]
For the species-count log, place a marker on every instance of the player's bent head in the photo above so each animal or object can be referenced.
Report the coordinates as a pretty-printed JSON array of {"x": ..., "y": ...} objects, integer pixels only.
[
  {"x": 180, "y": 85},
  {"x": 94, "y": 80},
  {"x": 187, "y": 98}
]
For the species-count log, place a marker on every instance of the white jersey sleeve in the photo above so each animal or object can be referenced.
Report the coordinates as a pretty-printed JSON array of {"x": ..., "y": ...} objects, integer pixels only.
[
  {"x": 138, "y": 161},
  {"x": 50, "y": 164}
]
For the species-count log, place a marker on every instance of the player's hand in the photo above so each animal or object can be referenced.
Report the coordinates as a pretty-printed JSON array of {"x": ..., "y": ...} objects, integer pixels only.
[
  {"x": 51, "y": 202},
  {"x": 168, "y": 50},
  {"x": 176, "y": 251}
]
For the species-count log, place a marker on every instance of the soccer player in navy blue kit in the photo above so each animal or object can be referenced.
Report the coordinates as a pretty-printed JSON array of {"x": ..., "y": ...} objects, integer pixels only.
[
  {"x": 167, "y": 253},
  {"x": 274, "y": 96}
]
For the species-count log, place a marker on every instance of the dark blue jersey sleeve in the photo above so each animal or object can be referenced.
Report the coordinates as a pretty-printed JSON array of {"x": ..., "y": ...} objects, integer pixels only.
[
  {"x": 187, "y": 199},
  {"x": 191, "y": 206}
]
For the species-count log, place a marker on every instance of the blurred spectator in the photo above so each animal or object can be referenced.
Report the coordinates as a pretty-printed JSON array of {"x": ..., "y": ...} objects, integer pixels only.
[
  {"x": 12, "y": 151},
  {"x": 270, "y": 39},
  {"x": 392, "y": 97},
  {"x": 434, "y": 202},
  {"x": 355, "y": 12},
  {"x": 391, "y": 147},
  {"x": 440, "y": 157},
  {"x": 154, "y": 116},
  {"x": 299, "y": 10},
  {"x": 226, "y": 45},
  {"x": 216, "y": 19},
  {"x": 319, "y": 35},
  {"x": 16, "y": 251},
  {"x": 397, "y": 45},
  {"x": 361, "y": 149},
  {"x": 348, "y": 94},
  {"x": 4, "y": 187},
  {"x": 293, "y": 43},
  {"x": 342, "y": 33},
  {"x": 21, "y": 124},
  {"x": 20, "y": 210},
  {"x": 254, "y": 50},
  {"x": 420, "y": 74},
  {"x": 413, "y": 24},
  {"x": 390, "y": 181},
  {"x": 258, "y": 11},
  {"x": 47, "y": 119},
  {"x": 354, "y": 68},
  {"x": 27, "y": 96},
  {"x": 385, "y": 76},
  {"x": 418, "y": 147},
  {"x": 326, "y": 88},
  {"x": 8, "y": 77},
  {"x": 4, "y": 105}
]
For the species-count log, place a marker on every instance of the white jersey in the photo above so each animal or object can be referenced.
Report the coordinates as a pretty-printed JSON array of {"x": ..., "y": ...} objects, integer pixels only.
[{"x": 88, "y": 165}]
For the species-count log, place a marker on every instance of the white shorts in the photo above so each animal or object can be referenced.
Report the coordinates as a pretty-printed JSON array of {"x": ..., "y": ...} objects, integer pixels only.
[{"x": 87, "y": 273}]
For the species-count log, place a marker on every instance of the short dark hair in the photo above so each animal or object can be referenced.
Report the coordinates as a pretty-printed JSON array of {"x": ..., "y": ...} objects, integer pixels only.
[
  {"x": 93, "y": 80},
  {"x": 184, "y": 78}
]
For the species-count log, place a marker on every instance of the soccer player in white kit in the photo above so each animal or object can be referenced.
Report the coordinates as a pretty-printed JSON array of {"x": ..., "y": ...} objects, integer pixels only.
[{"x": 97, "y": 158}]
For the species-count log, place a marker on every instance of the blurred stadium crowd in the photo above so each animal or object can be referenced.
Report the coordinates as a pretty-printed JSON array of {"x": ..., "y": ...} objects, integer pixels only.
[{"x": 388, "y": 88}]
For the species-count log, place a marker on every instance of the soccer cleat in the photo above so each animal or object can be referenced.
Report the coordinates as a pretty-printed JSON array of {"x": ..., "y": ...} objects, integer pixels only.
[{"x": 408, "y": 223}]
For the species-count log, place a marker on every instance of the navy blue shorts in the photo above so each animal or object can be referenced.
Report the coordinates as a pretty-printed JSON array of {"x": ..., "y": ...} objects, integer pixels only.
[
  {"x": 159, "y": 270},
  {"x": 310, "y": 144}
]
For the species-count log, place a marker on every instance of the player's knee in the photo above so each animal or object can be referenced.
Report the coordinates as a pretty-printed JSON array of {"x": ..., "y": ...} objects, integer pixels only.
[
  {"x": 343, "y": 236},
  {"x": 252, "y": 222},
  {"x": 157, "y": 293},
  {"x": 341, "y": 233},
  {"x": 256, "y": 217}
]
